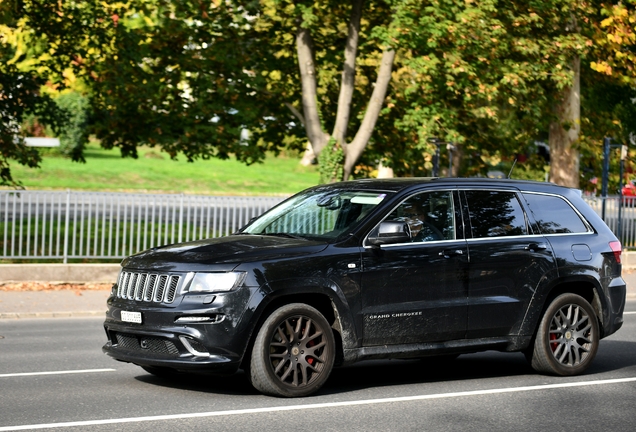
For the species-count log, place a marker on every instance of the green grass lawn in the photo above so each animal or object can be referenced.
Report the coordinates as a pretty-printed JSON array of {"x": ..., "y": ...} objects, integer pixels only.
[{"x": 155, "y": 172}]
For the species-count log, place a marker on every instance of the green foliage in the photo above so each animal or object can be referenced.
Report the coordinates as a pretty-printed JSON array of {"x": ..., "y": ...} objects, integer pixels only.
[
  {"x": 191, "y": 77},
  {"x": 483, "y": 75},
  {"x": 20, "y": 99},
  {"x": 330, "y": 163},
  {"x": 74, "y": 135}
]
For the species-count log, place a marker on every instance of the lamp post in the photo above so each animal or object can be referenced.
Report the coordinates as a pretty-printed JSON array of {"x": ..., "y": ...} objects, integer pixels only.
[
  {"x": 436, "y": 156},
  {"x": 607, "y": 145}
]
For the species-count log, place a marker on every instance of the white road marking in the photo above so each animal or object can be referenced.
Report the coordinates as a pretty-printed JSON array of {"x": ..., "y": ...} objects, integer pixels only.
[
  {"x": 628, "y": 313},
  {"x": 55, "y": 372},
  {"x": 317, "y": 406}
]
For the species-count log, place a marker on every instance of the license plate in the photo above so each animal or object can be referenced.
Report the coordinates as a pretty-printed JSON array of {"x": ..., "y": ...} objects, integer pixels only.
[{"x": 133, "y": 317}]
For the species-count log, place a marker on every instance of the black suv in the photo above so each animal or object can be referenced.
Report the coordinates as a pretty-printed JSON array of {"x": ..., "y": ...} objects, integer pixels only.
[{"x": 402, "y": 268}]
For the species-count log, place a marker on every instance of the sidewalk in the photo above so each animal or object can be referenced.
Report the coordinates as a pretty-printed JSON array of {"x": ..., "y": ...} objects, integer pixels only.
[
  {"x": 83, "y": 303},
  {"x": 53, "y": 304}
]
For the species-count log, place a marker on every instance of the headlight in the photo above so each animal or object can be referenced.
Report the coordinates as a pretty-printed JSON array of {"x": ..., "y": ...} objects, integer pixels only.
[{"x": 215, "y": 282}]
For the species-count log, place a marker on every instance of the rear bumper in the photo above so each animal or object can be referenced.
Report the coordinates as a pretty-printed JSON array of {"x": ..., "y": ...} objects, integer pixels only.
[{"x": 616, "y": 293}]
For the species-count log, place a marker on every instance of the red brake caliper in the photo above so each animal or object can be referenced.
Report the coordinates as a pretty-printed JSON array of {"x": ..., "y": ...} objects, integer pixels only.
[
  {"x": 553, "y": 345},
  {"x": 311, "y": 360}
]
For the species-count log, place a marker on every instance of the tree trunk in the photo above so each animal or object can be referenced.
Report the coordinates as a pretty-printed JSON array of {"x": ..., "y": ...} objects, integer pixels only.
[
  {"x": 564, "y": 133},
  {"x": 305, "y": 51},
  {"x": 311, "y": 118},
  {"x": 354, "y": 150},
  {"x": 458, "y": 156},
  {"x": 348, "y": 74}
]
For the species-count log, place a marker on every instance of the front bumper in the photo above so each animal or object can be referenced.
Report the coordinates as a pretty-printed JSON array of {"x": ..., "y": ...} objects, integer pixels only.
[
  {"x": 170, "y": 335},
  {"x": 167, "y": 348}
]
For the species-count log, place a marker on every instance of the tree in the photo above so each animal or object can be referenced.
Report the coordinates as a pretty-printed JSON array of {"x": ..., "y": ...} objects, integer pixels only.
[
  {"x": 316, "y": 133},
  {"x": 609, "y": 84},
  {"x": 20, "y": 97},
  {"x": 364, "y": 82},
  {"x": 616, "y": 36},
  {"x": 485, "y": 75}
]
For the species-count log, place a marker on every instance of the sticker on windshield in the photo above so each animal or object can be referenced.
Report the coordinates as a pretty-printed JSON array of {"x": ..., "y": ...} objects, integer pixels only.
[{"x": 368, "y": 199}]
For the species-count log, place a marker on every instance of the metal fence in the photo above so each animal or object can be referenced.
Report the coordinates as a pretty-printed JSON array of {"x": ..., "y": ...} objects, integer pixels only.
[
  {"x": 619, "y": 215},
  {"x": 97, "y": 225}
]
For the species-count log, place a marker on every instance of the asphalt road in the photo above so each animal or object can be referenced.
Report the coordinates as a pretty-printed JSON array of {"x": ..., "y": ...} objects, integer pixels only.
[{"x": 53, "y": 376}]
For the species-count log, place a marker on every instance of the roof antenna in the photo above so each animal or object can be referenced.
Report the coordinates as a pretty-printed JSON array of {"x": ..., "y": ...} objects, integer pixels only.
[{"x": 512, "y": 167}]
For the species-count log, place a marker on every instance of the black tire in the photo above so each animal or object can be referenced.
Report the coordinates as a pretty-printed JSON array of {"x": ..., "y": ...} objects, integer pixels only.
[
  {"x": 567, "y": 338},
  {"x": 293, "y": 353},
  {"x": 162, "y": 372}
]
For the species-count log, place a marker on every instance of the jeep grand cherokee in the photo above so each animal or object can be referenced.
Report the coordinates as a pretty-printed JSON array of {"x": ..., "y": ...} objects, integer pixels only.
[{"x": 401, "y": 268}]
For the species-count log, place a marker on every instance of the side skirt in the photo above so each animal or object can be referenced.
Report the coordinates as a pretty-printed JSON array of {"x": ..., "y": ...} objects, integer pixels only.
[{"x": 461, "y": 346}]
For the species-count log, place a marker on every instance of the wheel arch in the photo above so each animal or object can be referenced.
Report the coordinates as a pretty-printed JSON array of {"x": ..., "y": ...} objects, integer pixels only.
[
  {"x": 584, "y": 287},
  {"x": 317, "y": 298}
]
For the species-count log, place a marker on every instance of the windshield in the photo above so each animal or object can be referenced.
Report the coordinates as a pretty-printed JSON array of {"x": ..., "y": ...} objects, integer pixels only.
[{"x": 323, "y": 213}]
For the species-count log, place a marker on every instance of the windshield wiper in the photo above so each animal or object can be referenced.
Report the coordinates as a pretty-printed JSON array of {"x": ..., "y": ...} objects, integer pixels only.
[{"x": 284, "y": 234}]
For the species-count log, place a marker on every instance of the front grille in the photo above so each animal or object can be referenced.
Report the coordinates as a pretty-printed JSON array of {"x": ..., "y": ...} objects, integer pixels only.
[
  {"x": 147, "y": 344},
  {"x": 148, "y": 287}
]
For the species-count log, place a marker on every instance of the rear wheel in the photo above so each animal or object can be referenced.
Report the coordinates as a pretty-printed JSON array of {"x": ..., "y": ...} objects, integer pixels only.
[
  {"x": 293, "y": 352},
  {"x": 567, "y": 338}
]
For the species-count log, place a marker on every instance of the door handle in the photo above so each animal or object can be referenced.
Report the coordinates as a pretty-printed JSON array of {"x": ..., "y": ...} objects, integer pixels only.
[
  {"x": 536, "y": 247},
  {"x": 450, "y": 253}
]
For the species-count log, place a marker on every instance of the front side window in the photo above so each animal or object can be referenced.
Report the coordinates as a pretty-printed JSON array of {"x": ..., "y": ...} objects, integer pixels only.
[
  {"x": 495, "y": 214},
  {"x": 323, "y": 213},
  {"x": 430, "y": 216},
  {"x": 554, "y": 215}
]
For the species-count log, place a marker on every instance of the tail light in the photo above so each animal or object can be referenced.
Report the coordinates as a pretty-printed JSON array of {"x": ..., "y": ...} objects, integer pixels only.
[{"x": 617, "y": 249}]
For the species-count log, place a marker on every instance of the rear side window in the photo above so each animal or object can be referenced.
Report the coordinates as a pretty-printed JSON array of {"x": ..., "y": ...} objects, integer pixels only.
[
  {"x": 554, "y": 215},
  {"x": 495, "y": 214}
]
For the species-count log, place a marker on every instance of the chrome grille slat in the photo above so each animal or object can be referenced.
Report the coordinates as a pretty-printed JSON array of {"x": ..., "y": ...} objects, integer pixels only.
[
  {"x": 139, "y": 288},
  {"x": 131, "y": 286},
  {"x": 161, "y": 285},
  {"x": 172, "y": 288},
  {"x": 124, "y": 285},
  {"x": 148, "y": 287}
]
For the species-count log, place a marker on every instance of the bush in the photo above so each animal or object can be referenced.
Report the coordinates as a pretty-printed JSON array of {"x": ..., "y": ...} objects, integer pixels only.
[{"x": 74, "y": 136}]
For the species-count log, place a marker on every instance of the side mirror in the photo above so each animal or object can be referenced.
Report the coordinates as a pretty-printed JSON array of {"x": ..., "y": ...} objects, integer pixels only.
[{"x": 390, "y": 232}]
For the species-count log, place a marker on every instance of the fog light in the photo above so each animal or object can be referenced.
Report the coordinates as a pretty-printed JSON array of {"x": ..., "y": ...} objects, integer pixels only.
[{"x": 216, "y": 318}]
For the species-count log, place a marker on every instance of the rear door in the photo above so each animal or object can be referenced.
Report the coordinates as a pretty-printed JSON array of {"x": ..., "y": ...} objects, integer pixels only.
[{"x": 508, "y": 261}]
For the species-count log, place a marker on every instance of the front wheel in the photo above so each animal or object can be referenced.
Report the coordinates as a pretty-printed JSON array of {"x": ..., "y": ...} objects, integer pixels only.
[
  {"x": 293, "y": 353},
  {"x": 567, "y": 338}
]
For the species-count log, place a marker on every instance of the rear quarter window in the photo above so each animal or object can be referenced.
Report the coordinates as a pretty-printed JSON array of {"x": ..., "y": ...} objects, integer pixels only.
[{"x": 554, "y": 215}]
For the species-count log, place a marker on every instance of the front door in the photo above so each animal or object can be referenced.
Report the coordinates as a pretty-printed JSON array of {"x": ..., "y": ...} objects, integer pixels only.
[{"x": 417, "y": 292}]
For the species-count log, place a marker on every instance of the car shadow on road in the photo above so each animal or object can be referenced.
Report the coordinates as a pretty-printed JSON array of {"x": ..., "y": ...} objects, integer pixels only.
[
  {"x": 612, "y": 356},
  {"x": 236, "y": 384},
  {"x": 379, "y": 373}
]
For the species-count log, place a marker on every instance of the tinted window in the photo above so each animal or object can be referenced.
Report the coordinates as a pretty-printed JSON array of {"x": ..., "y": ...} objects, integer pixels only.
[
  {"x": 322, "y": 212},
  {"x": 429, "y": 215},
  {"x": 495, "y": 214},
  {"x": 554, "y": 215}
]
